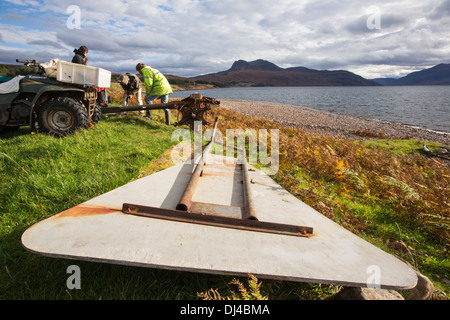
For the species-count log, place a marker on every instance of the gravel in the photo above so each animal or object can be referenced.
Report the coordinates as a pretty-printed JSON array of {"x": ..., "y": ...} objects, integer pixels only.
[{"x": 332, "y": 124}]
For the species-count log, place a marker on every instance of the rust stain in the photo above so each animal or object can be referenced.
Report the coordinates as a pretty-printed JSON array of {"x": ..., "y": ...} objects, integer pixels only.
[
  {"x": 218, "y": 165},
  {"x": 252, "y": 181},
  {"x": 85, "y": 210},
  {"x": 214, "y": 174},
  {"x": 219, "y": 171}
]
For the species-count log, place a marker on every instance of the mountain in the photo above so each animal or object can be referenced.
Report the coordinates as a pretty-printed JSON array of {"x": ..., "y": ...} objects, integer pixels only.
[
  {"x": 254, "y": 65},
  {"x": 264, "y": 73},
  {"x": 384, "y": 81},
  {"x": 437, "y": 75}
]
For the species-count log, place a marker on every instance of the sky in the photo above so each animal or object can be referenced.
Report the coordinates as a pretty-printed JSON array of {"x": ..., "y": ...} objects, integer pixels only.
[{"x": 194, "y": 37}]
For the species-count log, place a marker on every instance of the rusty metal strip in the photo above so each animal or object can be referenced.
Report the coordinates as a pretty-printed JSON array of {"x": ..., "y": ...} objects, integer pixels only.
[
  {"x": 186, "y": 200},
  {"x": 249, "y": 211},
  {"x": 217, "y": 221},
  {"x": 90, "y": 94}
]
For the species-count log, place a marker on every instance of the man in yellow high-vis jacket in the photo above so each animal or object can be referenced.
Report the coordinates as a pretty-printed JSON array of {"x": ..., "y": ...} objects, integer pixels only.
[{"x": 156, "y": 87}]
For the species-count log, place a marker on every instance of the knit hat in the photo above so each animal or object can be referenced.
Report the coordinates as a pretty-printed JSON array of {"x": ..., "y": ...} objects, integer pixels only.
[{"x": 123, "y": 78}]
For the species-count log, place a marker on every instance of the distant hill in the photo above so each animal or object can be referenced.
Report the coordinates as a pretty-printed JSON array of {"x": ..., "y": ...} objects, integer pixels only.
[
  {"x": 264, "y": 73},
  {"x": 437, "y": 75},
  {"x": 384, "y": 81},
  {"x": 11, "y": 70},
  {"x": 254, "y": 65}
]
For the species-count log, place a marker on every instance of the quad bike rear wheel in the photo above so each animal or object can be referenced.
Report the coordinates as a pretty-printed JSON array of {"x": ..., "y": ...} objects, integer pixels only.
[{"x": 62, "y": 116}]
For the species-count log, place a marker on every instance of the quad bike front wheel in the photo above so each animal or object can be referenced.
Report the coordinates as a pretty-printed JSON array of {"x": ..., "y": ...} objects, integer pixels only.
[{"x": 62, "y": 116}]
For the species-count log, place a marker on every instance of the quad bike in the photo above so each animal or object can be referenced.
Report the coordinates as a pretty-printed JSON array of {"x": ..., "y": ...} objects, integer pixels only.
[
  {"x": 60, "y": 108},
  {"x": 49, "y": 105}
]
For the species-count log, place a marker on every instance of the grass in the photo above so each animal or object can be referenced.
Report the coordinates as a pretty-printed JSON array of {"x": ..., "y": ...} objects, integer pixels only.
[
  {"x": 384, "y": 191},
  {"x": 377, "y": 193},
  {"x": 43, "y": 175},
  {"x": 400, "y": 147}
]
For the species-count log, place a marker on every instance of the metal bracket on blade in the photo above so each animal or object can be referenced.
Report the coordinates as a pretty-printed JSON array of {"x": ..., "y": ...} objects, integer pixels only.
[
  {"x": 184, "y": 210},
  {"x": 217, "y": 221}
]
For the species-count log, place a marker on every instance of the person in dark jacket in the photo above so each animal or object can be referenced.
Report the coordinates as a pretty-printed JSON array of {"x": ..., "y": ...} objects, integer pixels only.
[
  {"x": 131, "y": 85},
  {"x": 81, "y": 58},
  {"x": 80, "y": 55}
]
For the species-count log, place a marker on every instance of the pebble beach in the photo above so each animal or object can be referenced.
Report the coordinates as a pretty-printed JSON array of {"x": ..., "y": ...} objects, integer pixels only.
[{"x": 332, "y": 124}]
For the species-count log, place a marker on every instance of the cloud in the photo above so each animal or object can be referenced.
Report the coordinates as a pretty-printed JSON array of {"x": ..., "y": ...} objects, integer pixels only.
[
  {"x": 442, "y": 11},
  {"x": 46, "y": 44},
  {"x": 368, "y": 23},
  {"x": 192, "y": 37},
  {"x": 13, "y": 16},
  {"x": 9, "y": 56},
  {"x": 24, "y": 2}
]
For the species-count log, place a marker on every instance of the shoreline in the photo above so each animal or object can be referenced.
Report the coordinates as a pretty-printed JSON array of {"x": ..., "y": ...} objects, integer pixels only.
[{"x": 332, "y": 124}]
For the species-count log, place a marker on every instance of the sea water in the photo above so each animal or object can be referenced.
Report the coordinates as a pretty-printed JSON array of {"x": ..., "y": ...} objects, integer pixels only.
[{"x": 418, "y": 106}]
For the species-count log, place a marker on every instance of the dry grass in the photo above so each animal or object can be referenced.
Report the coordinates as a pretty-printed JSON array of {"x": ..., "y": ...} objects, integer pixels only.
[
  {"x": 414, "y": 187},
  {"x": 250, "y": 292},
  {"x": 380, "y": 195}
]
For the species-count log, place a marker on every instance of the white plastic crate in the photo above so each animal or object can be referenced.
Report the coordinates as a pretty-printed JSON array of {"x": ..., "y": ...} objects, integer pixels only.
[{"x": 85, "y": 75}]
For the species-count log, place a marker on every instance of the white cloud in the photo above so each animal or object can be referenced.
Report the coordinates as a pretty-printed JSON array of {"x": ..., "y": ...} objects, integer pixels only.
[
  {"x": 25, "y": 2},
  {"x": 192, "y": 37}
]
